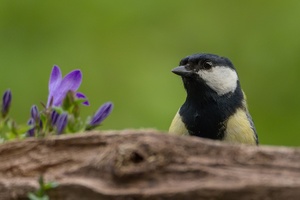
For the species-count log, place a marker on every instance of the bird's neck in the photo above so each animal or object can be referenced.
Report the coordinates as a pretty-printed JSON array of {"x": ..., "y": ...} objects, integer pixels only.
[
  {"x": 200, "y": 96},
  {"x": 199, "y": 93}
]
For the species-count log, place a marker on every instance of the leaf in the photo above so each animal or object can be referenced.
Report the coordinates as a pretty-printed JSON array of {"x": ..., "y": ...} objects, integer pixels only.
[
  {"x": 32, "y": 196},
  {"x": 59, "y": 110},
  {"x": 50, "y": 185},
  {"x": 23, "y": 129}
]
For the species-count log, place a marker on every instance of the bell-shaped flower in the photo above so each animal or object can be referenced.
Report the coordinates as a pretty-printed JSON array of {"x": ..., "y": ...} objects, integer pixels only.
[
  {"x": 31, "y": 132},
  {"x": 6, "y": 101},
  {"x": 35, "y": 121},
  {"x": 61, "y": 123},
  {"x": 100, "y": 115},
  {"x": 59, "y": 87},
  {"x": 34, "y": 112},
  {"x": 54, "y": 117}
]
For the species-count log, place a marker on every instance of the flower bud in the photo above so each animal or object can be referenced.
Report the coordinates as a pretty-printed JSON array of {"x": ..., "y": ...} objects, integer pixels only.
[
  {"x": 100, "y": 115},
  {"x": 61, "y": 123},
  {"x": 30, "y": 132},
  {"x": 6, "y": 101},
  {"x": 34, "y": 112},
  {"x": 54, "y": 117}
]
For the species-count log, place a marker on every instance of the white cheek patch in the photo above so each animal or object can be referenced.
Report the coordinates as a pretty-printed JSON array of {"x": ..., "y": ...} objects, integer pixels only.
[{"x": 219, "y": 78}]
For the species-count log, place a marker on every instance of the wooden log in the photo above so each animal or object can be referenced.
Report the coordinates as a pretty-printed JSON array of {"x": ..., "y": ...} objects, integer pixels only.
[{"x": 147, "y": 164}]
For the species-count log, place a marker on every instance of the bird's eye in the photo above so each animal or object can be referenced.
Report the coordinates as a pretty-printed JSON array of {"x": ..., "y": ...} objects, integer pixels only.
[{"x": 207, "y": 65}]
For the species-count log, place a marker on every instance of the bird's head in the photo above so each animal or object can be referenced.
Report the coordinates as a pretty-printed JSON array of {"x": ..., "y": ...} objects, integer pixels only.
[{"x": 208, "y": 72}]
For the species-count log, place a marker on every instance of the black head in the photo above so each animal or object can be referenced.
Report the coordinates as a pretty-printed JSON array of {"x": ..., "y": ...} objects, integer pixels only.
[{"x": 208, "y": 71}]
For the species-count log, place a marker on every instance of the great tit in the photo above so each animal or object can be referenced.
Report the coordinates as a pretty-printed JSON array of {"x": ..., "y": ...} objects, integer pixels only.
[{"x": 215, "y": 106}]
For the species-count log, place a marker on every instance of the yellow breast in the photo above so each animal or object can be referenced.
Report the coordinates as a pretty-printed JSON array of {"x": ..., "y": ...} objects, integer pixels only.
[
  {"x": 177, "y": 126},
  {"x": 238, "y": 129}
]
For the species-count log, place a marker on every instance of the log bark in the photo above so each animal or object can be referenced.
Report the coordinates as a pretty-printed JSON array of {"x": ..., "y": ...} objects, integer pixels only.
[{"x": 147, "y": 164}]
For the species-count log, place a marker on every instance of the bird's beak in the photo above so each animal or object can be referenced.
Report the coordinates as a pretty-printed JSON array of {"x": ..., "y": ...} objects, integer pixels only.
[{"x": 182, "y": 71}]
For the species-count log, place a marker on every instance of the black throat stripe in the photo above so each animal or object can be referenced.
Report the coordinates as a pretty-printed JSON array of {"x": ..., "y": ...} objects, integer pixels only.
[{"x": 204, "y": 111}]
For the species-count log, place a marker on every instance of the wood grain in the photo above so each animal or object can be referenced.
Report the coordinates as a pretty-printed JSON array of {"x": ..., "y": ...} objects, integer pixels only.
[{"x": 147, "y": 164}]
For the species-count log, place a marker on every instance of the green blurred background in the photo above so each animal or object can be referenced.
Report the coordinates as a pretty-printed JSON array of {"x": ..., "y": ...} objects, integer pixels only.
[{"x": 126, "y": 50}]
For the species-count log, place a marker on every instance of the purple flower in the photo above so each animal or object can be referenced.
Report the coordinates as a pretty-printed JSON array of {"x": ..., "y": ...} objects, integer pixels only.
[
  {"x": 59, "y": 87},
  {"x": 79, "y": 95},
  {"x": 101, "y": 114},
  {"x": 54, "y": 117},
  {"x": 30, "y": 132},
  {"x": 6, "y": 101},
  {"x": 34, "y": 112},
  {"x": 61, "y": 123}
]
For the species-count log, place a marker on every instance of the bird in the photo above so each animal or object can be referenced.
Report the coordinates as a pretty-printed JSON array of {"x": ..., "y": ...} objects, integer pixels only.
[{"x": 215, "y": 106}]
